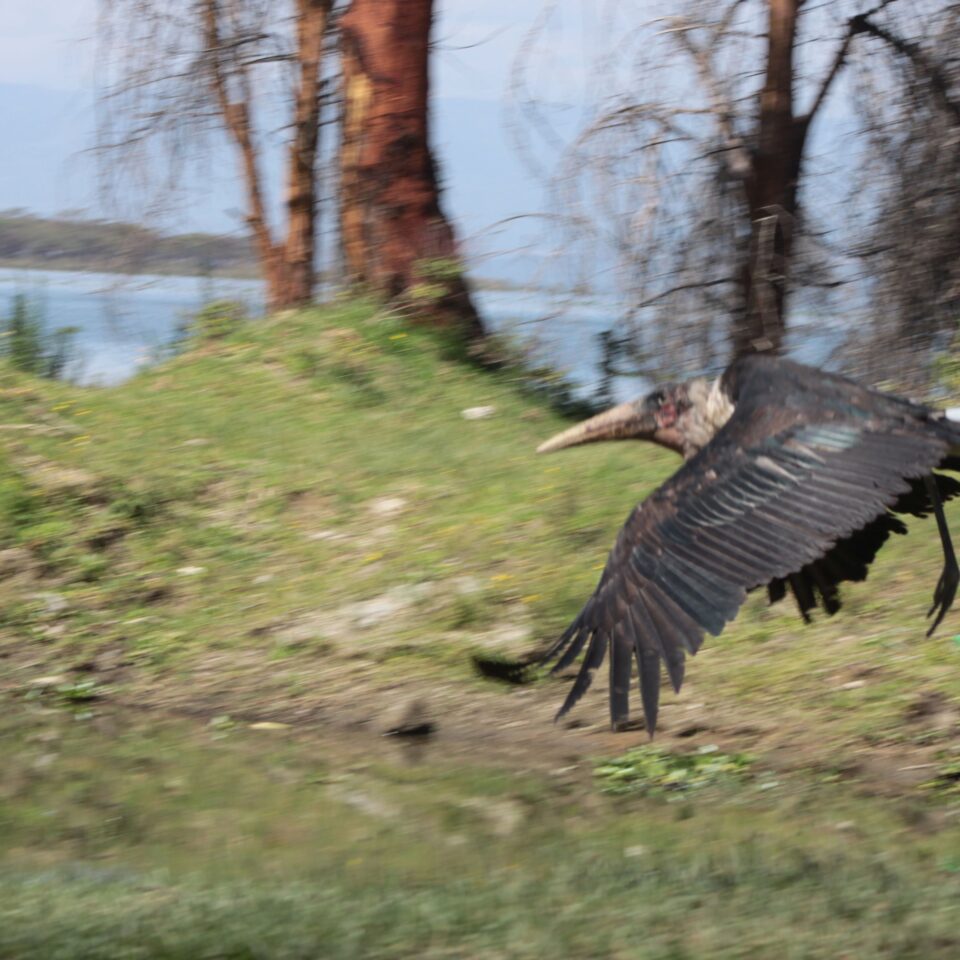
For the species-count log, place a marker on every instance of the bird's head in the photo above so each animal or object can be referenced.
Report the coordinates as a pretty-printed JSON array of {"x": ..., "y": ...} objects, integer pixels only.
[{"x": 674, "y": 415}]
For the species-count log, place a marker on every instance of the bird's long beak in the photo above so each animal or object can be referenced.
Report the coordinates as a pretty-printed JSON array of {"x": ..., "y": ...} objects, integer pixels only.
[{"x": 628, "y": 421}]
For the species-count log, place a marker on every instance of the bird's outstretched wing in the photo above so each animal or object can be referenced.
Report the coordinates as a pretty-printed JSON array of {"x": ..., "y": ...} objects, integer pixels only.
[{"x": 806, "y": 461}]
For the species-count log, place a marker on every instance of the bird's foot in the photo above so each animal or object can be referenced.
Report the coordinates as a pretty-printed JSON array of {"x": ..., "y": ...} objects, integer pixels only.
[{"x": 946, "y": 591}]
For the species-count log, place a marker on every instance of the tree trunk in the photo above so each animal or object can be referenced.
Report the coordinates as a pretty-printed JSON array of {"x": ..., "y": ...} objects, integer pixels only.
[
  {"x": 299, "y": 251},
  {"x": 394, "y": 235},
  {"x": 288, "y": 266},
  {"x": 771, "y": 192}
]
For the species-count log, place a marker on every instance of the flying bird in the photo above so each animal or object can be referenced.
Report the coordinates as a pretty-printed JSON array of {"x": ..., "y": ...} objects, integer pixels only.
[{"x": 794, "y": 478}]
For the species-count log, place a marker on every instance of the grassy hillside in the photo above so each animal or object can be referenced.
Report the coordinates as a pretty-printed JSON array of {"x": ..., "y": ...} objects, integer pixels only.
[{"x": 226, "y": 580}]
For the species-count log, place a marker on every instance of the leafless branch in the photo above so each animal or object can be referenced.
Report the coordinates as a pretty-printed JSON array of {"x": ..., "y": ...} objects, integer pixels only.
[
  {"x": 737, "y": 156},
  {"x": 834, "y": 70},
  {"x": 927, "y": 69},
  {"x": 679, "y": 288}
]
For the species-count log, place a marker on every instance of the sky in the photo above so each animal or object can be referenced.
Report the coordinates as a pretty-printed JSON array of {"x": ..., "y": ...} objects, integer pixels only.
[
  {"x": 49, "y": 43},
  {"x": 44, "y": 43}
]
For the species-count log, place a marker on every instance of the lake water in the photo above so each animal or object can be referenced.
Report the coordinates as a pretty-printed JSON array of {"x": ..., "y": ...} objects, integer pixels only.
[{"x": 124, "y": 322}]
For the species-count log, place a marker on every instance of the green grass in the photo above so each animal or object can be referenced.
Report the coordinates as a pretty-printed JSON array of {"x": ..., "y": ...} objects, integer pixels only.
[
  {"x": 293, "y": 522},
  {"x": 857, "y": 906},
  {"x": 170, "y": 841},
  {"x": 264, "y": 455}
]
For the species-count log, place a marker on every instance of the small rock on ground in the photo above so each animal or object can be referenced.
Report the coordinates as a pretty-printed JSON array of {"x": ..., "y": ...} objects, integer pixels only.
[
  {"x": 386, "y": 506},
  {"x": 478, "y": 413},
  {"x": 412, "y": 718}
]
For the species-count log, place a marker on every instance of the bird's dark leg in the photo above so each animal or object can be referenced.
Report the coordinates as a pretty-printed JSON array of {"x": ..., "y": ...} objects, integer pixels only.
[{"x": 950, "y": 577}]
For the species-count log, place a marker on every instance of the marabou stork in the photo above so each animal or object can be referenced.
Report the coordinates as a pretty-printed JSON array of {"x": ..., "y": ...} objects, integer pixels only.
[{"x": 793, "y": 478}]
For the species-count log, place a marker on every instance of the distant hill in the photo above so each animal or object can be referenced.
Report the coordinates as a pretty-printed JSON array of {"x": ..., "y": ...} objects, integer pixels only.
[{"x": 72, "y": 243}]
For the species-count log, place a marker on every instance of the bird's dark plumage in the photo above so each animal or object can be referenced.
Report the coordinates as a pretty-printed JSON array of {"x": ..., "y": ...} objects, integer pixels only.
[{"x": 797, "y": 490}]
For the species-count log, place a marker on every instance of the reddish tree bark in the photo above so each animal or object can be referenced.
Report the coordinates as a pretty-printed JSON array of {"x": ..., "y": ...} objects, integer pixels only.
[
  {"x": 394, "y": 234},
  {"x": 300, "y": 245}
]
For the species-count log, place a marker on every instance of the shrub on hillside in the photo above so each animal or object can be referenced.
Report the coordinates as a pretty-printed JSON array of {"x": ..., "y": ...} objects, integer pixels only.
[{"x": 30, "y": 347}]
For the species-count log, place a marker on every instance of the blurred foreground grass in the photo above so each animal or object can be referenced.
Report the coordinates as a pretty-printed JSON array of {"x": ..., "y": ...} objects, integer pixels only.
[
  {"x": 128, "y": 840},
  {"x": 220, "y": 578}
]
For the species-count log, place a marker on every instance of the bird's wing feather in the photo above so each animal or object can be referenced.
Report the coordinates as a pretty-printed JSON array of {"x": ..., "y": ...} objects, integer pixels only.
[
  {"x": 774, "y": 491},
  {"x": 849, "y": 559}
]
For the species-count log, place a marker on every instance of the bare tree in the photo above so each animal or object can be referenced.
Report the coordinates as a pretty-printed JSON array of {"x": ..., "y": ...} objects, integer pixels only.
[
  {"x": 394, "y": 234},
  {"x": 176, "y": 71},
  {"x": 690, "y": 172},
  {"x": 910, "y": 242}
]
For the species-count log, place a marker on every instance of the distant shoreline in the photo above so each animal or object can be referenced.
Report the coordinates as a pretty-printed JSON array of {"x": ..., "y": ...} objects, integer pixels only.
[
  {"x": 69, "y": 244},
  {"x": 482, "y": 284},
  {"x": 30, "y": 242},
  {"x": 124, "y": 270}
]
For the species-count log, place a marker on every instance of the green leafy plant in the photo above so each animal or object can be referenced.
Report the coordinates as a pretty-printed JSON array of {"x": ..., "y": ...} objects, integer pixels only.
[
  {"x": 80, "y": 691},
  {"x": 215, "y": 320},
  {"x": 651, "y": 771},
  {"x": 30, "y": 347},
  {"x": 435, "y": 279},
  {"x": 440, "y": 269},
  {"x": 946, "y": 780},
  {"x": 19, "y": 505},
  {"x": 72, "y": 693}
]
